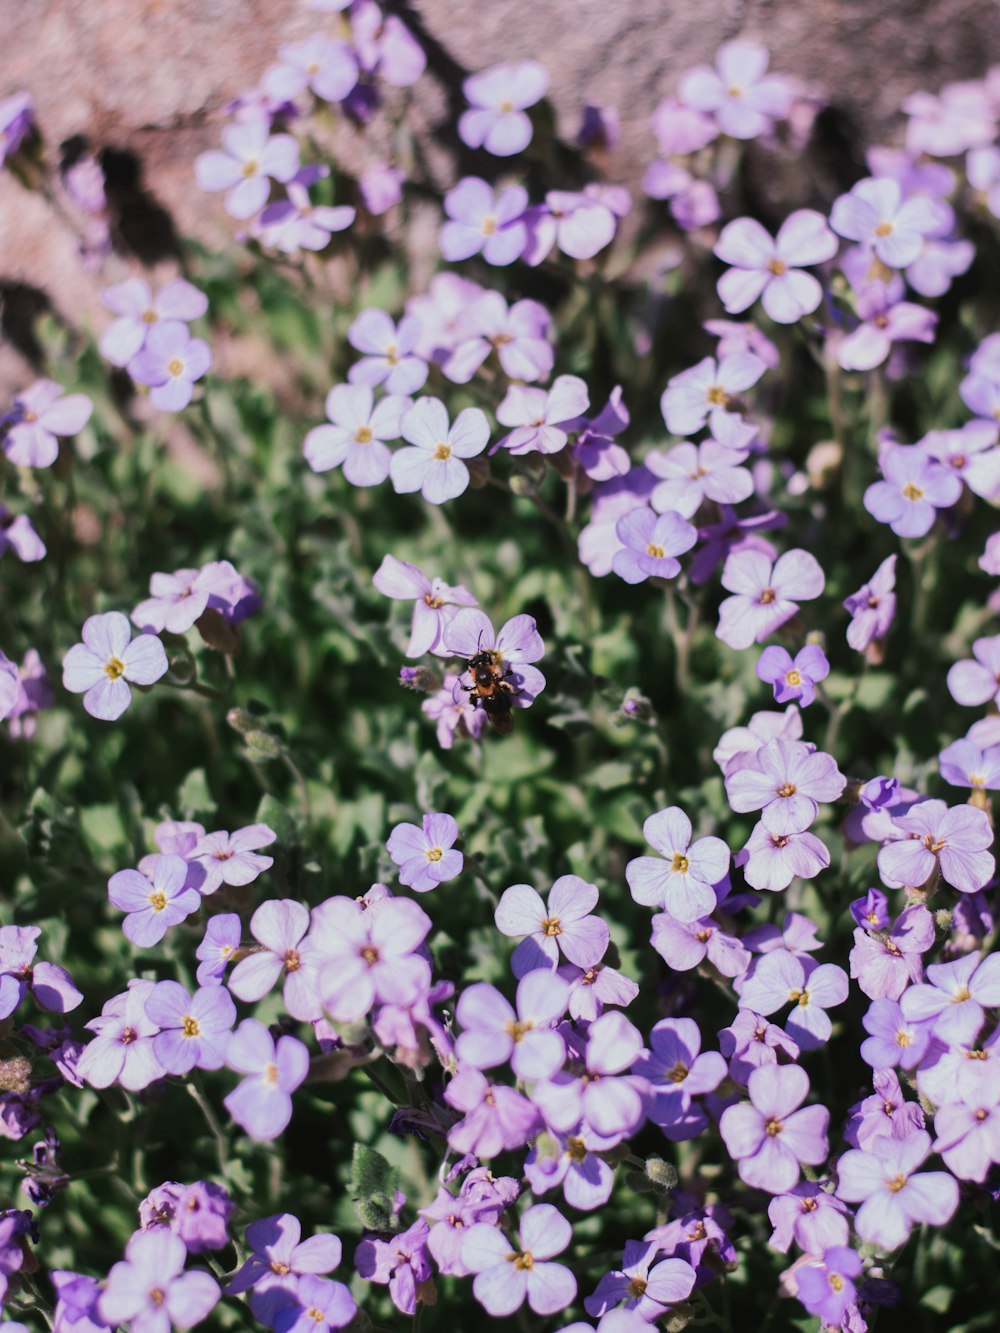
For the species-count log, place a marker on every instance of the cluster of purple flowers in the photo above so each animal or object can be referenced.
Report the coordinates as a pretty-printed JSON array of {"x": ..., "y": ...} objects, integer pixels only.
[{"x": 151, "y": 339}]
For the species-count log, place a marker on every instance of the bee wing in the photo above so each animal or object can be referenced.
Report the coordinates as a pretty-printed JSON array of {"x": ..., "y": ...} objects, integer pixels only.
[{"x": 502, "y": 723}]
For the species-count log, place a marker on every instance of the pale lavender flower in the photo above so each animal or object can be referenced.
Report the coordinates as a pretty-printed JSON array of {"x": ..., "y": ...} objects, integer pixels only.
[
  {"x": 17, "y": 534},
  {"x": 381, "y": 187},
  {"x": 370, "y": 957},
  {"x": 678, "y": 1071},
  {"x": 887, "y": 960},
  {"x": 594, "y": 987},
  {"x": 955, "y": 839},
  {"x": 153, "y": 905},
  {"x": 122, "y": 1049},
  {"x": 519, "y": 336},
  {"x": 769, "y": 1136},
  {"x": 827, "y": 1288},
  {"x": 810, "y": 1217},
  {"x": 580, "y": 225},
  {"x": 102, "y": 666},
  {"x": 735, "y": 336},
  {"x": 564, "y": 927},
  {"x": 497, "y": 100},
  {"x": 780, "y": 978},
  {"x": 772, "y": 269},
  {"x": 149, "y": 1289},
  {"x": 981, "y": 395},
  {"x": 278, "y": 1259},
  {"x": 492, "y": 1032},
  {"x": 963, "y": 1071},
  {"x": 707, "y": 393},
  {"x": 194, "y": 1030},
  {"x": 939, "y": 261},
  {"x": 250, "y": 158},
  {"x": 793, "y": 679},
  {"x": 693, "y": 473},
  {"x": 873, "y": 607},
  {"x": 426, "y": 855},
  {"x": 771, "y": 860},
  {"x": 883, "y": 322},
  {"x": 955, "y": 998},
  {"x": 401, "y": 1262},
  {"x": 946, "y": 124},
  {"x": 262, "y": 1103},
  {"x": 681, "y": 882},
  {"x": 170, "y": 362},
  {"x": 296, "y": 223},
  {"x": 964, "y": 764},
  {"x": 893, "y": 1039},
  {"x": 506, "y": 1276},
  {"x": 176, "y": 601},
  {"x": 496, "y": 1117},
  {"x": 598, "y": 541},
  {"x": 138, "y": 310},
  {"x": 683, "y": 945},
  {"x": 876, "y": 214},
  {"x": 220, "y": 942},
  {"x": 970, "y": 453},
  {"x": 453, "y": 712},
  {"x": 892, "y": 1196},
  {"x": 600, "y": 1095},
  {"x": 982, "y": 168},
  {"x": 515, "y": 646},
  {"x": 232, "y": 858},
  {"x": 766, "y": 595},
  {"x": 385, "y": 46},
  {"x": 750, "y": 1042},
  {"x": 389, "y": 353},
  {"x": 328, "y": 68},
  {"x": 356, "y": 438},
  {"x": 737, "y": 92},
  {"x": 435, "y": 603},
  {"x": 595, "y": 449},
  {"x": 435, "y": 464},
  {"x": 968, "y": 1134},
  {"x": 17, "y": 122},
  {"x": 280, "y": 925},
  {"x": 541, "y": 417},
  {"x": 38, "y": 415},
  {"x": 51, "y": 985},
  {"x": 650, "y": 544},
  {"x": 786, "y": 782},
  {"x": 648, "y": 1289},
  {"x": 738, "y": 746},
  {"x": 914, "y": 489},
  {"x": 484, "y": 221},
  {"x": 977, "y": 682}
]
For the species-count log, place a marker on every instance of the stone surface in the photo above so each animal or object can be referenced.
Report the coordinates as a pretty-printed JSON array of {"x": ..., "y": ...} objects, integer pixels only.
[{"x": 152, "y": 77}]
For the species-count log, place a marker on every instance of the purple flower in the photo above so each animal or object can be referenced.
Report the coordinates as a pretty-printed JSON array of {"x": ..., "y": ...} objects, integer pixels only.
[
  {"x": 262, "y": 1103},
  {"x": 738, "y": 746},
  {"x": 279, "y": 925},
  {"x": 873, "y": 607},
  {"x": 451, "y": 709},
  {"x": 296, "y": 223},
  {"x": 194, "y": 1030},
  {"x": 314, "y": 1306},
  {"x": 76, "y": 1306},
  {"x": 595, "y": 449},
  {"x": 17, "y": 122},
  {"x": 496, "y": 1117},
  {"x": 954, "y": 1001},
  {"x": 122, "y": 1050},
  {"x": 435, "y": 466},
  {"x": 218, "y": 945},
  {"x": 370, "y": 957},
  {"x": 401, "y": 1262},
  {"x": 389, "y": 353},
  {"x": 780, "y": 978},
  {"x": 693, "y": 473},
  {"x": 505, "y": 1276},
  {"x": 514, "y": 647},
  {"x": 177, "y": 600},
  {"x": 37, "y": 416},
  {"x": 771, "y": 860},
  {"x": 541, "y": 418},
  {"x": 968, "y": 1134},
  {"x": 381, "y": 187},
  {"x": 564, "y": 927},
  {"x": 883, "y": 322},
  {"x": 278, "y": 1258},
  {"x": 149, "y": 1290},
  {"x": 786, "y": 783},
  {"x": 826, "y": 1289},
  {"x": 497, "y": 98},
  {"x": 893, "y": 1040},
  {"x": 707, "y": 393},
  {"x": 51, "y": 985},
  {"x": 356, "y": 437},
  {"x": 599, "y": 1097},
  {"x": 682, "y": 881},
  {"x": 970, "y": 453},
  {"x": 977, "y": 682},
  {"x": 434, "y": 603},
  {"x": 580, "y": 225},
  {"x": 876, "y": 214},
  {"x": 793, "y": 680},
  {"x": 232, "y": 858},
  {"x": 650, "y": 545},
  {"x": 645, "y": 1287},
  {"x": 248, "y": 158},
  {"x": 138, "y": 310},
  {"x": 892, "y": 1196},
  {"x": 935, "y": 836},
  {"x": 751, "y": 1042},
  {"x": 766, "y": 595},
  {"x": 772, "y": 269},
  {"x": 426, "y": 855},
  {"x": 155, "y": 904},
  {"x": 683, "y": 945},
  {"x": 171, "y": 361},
  {"x": 592, "y": 988},
  {"x": 964, "y": 764},
  {"x": 328, "y": 68},
  {"x": 484, "y": 221},
  {"x": 201, "y": 1214},
  {"x": 914, "y": 489},
  {"x": 18, "y": 535},
  {"x": 737, "y": 92},
  {"x": 678, "y": 1071},
  {"x": 101, "y": 666},
  {"x": 492, "y": 1032},
  {"x": 769, "y": 1136},
  {"x": 886, "y": 961},
  {"x": 519, "y": 335},
  {"x": 810, "y": 1217},
  {"x": 571, "y": 1160}
]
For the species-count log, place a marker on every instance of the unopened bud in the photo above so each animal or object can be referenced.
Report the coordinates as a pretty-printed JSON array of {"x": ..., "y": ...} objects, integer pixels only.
[
  {"x": 15, "y": 1075},
  {"x": 261, "y": 746},
  {"x": 217, "y": 632},
  {"x": 661, "y": 1173}
]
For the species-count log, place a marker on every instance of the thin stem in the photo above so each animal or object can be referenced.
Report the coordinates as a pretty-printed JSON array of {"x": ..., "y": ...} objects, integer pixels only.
[{"x": 217, "y": 1132}]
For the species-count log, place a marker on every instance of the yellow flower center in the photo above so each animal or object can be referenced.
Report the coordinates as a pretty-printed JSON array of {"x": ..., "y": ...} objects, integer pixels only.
[
  {"x": 524, "y": 1260},
  {"x": 363, "y": 435},
  {"x": 114, "y": 668},
  {"x": 679, "y": 1073},
  {"x": 442, "y": 451},
  {"x": 657, "y": 552},
  {"x": 516, "y": 1028},
  {"x": 576, "y": 1149},
  {"x": 191, "y": 1026},
  {"x": 158, "y": 900},
  {"x": 884, "y": 228},
  {"x": 637, "y": 1286},
  {"x": 551, "y": 926},
  {"x": 434, "y": 853},
  {"x": 392, "y": 354},
  {"x": 912, "y": 492},
  {"x": 250, "y": 167},
  {"x": 773, "y": 1127},
  {"x": 370, "y": 956},
  {"x": 292, "y": 960},
  {"x": 786, "y": 789},
  {"x": 488, "y": 226},
  {"x": 768, "y": 596},
  {"x": 896, "y": 1183},
  {"x": 680, "y": 864},
  {"x": 717, "y": 396},
  {"x": 175, "y": 366},
  {"x": 149, "y": 317},
  {"x": 794, "y": 677},
  {"x": 903, "y": 1039},
  {"x": 271, "y": 1075},
  {"x": 836, "y": 1281},
  {"x": 777, "y": 267}
]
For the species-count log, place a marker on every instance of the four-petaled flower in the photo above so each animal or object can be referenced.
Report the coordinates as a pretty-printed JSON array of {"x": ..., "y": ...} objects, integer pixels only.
[{"x": 101, "y": 667}]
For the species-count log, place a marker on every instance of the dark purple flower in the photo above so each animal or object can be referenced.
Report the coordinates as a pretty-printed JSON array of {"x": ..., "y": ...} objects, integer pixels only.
[
  {"x": 647, "y": 1288},
  {"x": 793, "y": 680},
  {"x": 826, "y": 1289}
]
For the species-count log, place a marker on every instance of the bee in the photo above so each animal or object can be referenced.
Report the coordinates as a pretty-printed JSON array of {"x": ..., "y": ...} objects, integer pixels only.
[{"x": 491, "y": 687}]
